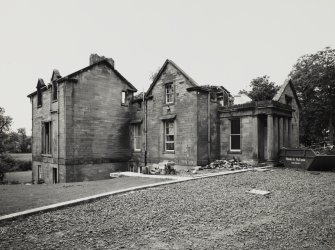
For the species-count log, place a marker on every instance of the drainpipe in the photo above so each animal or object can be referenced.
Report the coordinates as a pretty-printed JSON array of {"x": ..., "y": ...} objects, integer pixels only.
[
  {"x": 145, "y": 128},
  {"x": 32, "y": 136},
  {"x": 58, "y": 100},
  {"x": 209, "y": 127}
]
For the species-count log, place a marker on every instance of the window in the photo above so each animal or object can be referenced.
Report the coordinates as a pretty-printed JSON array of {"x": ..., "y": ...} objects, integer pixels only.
[
  {"x": 54, "y": 91},
  {"x": 46, "y": 138},
  {"x": 169, "y": 135},
  {"x": 137, "y": 137},
  {"x": 235, "y": 135},
  {"x": 123, "y": 97},
  {"x": 169, "y": 93},
  {"x": 39, "y": 97},
  {"x": 39, "y": 170},
  {"x": 223, "y": 98},
  {"x": 139, "y": 107},
  {"x": 288, "y": 100}
]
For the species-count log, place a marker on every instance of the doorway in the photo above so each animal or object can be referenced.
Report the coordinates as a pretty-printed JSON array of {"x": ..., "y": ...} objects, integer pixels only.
[
  {"x": 262, "y": 137},
  {"x": 54, "y": 175}
]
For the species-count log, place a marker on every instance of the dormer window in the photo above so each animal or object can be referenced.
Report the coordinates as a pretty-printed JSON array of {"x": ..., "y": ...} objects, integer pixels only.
[
  {"x": 54, "y": 91},
  {"x": 40, "y": 85},
  {"x": 55, "y": 76},
  {"x": 39, "y": 97},
  {"x": 169, "y": 94}
]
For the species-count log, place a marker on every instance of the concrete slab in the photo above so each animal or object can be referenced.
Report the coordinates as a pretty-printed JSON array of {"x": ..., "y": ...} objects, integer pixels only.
[
  {"x": 261, "y": 192},
  {"x": 173, "y": 177}
]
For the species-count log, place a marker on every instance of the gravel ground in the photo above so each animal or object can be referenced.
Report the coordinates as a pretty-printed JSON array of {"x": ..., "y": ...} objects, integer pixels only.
[{"x": 212, "y": 213}]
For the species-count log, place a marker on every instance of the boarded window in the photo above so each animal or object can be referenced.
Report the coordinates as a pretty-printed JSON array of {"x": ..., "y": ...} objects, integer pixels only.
[
  {"x": 235, "y": 135},
  {"x": 169, "y": 93},
  {"x": 137, "y": 137},
  {"x": 46, "y": 138},
  {"x": 169, "y": 135}
]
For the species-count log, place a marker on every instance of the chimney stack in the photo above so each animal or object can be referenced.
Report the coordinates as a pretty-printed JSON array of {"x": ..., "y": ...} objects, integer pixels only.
[{"x": 94, "y": 58}]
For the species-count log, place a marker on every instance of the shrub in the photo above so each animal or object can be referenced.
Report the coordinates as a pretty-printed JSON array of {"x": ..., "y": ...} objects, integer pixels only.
[
  {"x": 9, "y": 164},
  {"x": 23, "y": 165},
  {"x": 6, "y": 164}
]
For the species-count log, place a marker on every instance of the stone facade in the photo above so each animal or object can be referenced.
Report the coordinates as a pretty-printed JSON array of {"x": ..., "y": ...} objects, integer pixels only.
[{"x": 89, "y": 124}]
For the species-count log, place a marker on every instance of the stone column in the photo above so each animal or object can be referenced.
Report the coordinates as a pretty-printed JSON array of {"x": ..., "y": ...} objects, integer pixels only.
[
  {"x": 286, "y": 144},
  {"x": 269, "y": 149},
  {"x": 281, "y": 132},
  {"x": 289, "y": 132},
  {"x": 255, "y": 137},
  {"x": 275, "y": 137}
]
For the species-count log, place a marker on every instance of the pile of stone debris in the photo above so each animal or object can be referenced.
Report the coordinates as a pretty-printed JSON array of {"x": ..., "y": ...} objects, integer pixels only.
[
  {"x": 233, "y": 164},
  {"x": 165, "y": 167}
]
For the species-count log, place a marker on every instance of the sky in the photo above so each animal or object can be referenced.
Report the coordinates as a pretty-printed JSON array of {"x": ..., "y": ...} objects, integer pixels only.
[{"x": 226, "y": 43}]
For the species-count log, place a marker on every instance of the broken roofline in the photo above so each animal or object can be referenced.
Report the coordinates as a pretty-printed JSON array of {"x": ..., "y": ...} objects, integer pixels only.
[
  {"x": 161, "y": 70},
  {"x": 69, "y": 77},
  {"x": 195, "y": 85},
  {"x": 257, "y": 104},
  {"x": 209, "y": 88}
]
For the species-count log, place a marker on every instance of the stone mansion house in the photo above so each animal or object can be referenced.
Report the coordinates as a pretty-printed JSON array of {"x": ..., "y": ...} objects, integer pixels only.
[{"x": 90, "y": 123}]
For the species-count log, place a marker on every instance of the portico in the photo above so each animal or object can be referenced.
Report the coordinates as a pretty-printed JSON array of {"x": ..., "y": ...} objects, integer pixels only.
[{"x": 265, "y": 128}]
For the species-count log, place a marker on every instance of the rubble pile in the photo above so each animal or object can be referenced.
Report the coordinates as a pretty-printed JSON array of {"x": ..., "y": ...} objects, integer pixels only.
[
  {"x": 165, "y": 167},
  {"x": 233, "y": 164}
]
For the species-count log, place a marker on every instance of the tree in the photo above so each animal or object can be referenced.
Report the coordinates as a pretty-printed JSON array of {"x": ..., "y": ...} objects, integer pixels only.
[
  {"x": 5, "y": 124},
  {"x": 154, "y": 74},
  {"x": 313, "y": 77},
  {"x": 5, "y": 121},
  {"x": 261, "y": 89}
]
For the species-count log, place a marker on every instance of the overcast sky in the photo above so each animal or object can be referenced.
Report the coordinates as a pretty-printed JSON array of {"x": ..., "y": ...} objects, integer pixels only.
[{"x": 216, "y": 42}]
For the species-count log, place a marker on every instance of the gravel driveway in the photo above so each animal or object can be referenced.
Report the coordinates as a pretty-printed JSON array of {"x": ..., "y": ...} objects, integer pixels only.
[{"x": 213, "y": 213}]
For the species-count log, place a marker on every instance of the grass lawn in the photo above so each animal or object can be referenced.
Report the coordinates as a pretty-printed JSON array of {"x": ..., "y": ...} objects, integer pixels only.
[
  {"x": 19, "y": 176},
  {"x": 15, "y": 198},
  {"x": 212, "y": 213}
]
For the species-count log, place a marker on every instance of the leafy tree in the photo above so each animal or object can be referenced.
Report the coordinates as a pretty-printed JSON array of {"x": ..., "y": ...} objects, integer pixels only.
[
  {"x": 154, "y": 74},
  {"x": 261, "y": 89},
  {"x": 5, "y": 121},
  {"x": 5, "y": 124},
  {"x": 314, "y": 79},
  {"x": 23, "y": 140},
  {"x": 18, "y": 142}
]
